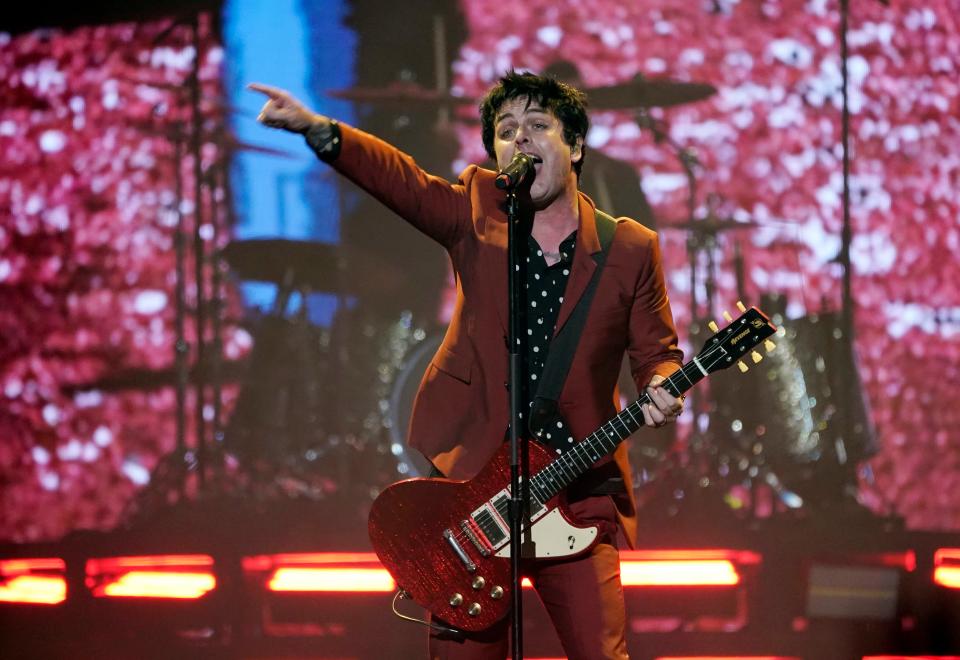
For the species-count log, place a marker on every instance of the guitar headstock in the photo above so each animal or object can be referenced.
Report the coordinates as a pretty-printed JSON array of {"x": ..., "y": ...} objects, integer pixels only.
[{"x": 732, "y": 343}]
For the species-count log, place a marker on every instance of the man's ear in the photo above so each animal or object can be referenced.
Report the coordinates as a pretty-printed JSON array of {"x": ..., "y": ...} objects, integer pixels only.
[{"x": 576, "y": 151}]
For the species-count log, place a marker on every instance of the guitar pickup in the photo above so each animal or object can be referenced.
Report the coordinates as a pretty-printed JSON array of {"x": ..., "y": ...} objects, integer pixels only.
[{"x": 477, "y": 537}]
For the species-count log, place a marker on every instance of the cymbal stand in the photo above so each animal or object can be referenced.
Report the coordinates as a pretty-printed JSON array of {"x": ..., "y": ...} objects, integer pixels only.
[
  {"x": 689, "y": 162},
  {"x": 181, "y": 346},
  {"x": 199, "y": 248},
  {"x": 216, "y": 181}
]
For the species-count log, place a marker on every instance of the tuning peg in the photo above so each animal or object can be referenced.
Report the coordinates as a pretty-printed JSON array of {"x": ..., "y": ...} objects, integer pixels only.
[
  {"x": 742, "y": 367},
  {"x": 769, "y": 345},
  {"x": 726, "y": 316},
  {"x": 713, "y": 326},
  {"x": 756, "y": 357},
  {"x": 741, "y": 306}
]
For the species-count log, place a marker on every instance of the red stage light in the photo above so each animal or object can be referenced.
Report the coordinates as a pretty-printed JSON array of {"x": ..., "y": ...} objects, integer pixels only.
[
  {"x": 37, "y": 581},
  {"x": 701, "y": 568},
  {"x": 361, "y": 572},
  {"x": 358, "y": 572},
  {"x": 159, "y": 576},
  {"x": 946, "y": 567}
]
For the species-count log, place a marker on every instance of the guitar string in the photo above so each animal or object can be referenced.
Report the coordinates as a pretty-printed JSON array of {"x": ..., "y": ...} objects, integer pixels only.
[
  {"x": 587, "y": 443},
  {"x": 543, "y": 495}
]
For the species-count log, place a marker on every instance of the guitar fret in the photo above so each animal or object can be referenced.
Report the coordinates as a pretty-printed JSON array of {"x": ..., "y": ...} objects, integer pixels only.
[
  {"x": 625, "y": 427},
  {"x": 583, "y": 461}
]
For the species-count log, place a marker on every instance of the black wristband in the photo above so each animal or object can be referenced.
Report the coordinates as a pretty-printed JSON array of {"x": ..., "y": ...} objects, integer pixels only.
[{"x": 325, "y": 140}]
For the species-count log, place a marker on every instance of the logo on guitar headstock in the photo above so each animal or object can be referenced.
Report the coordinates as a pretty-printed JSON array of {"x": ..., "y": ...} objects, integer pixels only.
[{"x": 739, "y": 337}]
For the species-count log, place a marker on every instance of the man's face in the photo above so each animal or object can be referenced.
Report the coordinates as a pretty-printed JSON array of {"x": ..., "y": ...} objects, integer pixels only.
[{"x": 537, "y": 132}]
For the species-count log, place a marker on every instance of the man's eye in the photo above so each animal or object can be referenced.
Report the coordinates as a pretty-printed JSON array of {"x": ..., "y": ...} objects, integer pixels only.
[{"x": 506, "y": 133}]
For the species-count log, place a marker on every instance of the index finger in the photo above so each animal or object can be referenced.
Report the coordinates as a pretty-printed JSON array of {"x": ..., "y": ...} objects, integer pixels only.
[{"x": 272, "y": 92}]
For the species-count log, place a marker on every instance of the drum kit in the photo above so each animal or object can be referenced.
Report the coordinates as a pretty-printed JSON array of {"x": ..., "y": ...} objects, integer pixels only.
[{"x": 323, "y": 411}]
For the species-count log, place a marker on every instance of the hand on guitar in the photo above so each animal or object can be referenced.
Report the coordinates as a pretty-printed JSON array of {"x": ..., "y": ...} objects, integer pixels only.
[{"x": 665, "y": 407}]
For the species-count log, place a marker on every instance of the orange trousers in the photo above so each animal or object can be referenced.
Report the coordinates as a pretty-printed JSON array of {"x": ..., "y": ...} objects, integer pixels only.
[{"x": 583, "y": 598}]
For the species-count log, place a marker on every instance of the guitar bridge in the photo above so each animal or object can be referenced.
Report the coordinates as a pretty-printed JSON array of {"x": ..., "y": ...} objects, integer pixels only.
[
  {"x": 459, "y": 551},
  {"x": 476, "y": 537}
]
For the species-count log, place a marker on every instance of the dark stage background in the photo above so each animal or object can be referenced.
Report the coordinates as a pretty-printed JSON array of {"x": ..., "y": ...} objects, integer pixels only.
[
  {"x": 96, "y": 122},
  {"x": 209, "y": 343}
]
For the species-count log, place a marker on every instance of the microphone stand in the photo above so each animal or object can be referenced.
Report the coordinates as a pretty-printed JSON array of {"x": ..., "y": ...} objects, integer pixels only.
[{"x": 518, "y": 447}]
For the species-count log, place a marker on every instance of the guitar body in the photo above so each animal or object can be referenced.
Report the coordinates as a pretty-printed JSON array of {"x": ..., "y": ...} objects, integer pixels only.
[
  {"x": 447, "y": 543},
  {"x": 417, "y": 526}
]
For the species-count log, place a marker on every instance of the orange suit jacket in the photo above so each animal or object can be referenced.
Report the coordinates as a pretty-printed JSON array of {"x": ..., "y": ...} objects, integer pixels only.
[{"x": 461, "y": 411}]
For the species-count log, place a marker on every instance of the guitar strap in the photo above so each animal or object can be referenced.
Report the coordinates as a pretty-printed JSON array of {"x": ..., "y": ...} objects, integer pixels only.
[{"x": 563, "y": 346}]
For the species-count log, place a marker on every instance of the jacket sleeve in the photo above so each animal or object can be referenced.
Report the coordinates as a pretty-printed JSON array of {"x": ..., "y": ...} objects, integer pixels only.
[
  {"x": 436, "y": 207},
  {"x": 652, "y": 345}
]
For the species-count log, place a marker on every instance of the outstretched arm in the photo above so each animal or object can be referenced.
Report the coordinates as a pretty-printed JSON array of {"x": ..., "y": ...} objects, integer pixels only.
[{"x": 430, "y": 203}]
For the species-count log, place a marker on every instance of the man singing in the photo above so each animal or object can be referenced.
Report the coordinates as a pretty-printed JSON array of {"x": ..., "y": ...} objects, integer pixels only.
[{"x": 462, "y": 407}]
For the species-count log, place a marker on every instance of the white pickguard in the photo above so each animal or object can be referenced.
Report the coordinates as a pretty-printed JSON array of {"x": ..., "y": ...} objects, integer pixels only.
[{"x": 554, "y": 537}]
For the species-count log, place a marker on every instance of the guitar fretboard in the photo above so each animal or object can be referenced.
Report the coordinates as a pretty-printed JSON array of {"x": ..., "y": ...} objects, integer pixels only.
[{"x": 578, "y": 459}]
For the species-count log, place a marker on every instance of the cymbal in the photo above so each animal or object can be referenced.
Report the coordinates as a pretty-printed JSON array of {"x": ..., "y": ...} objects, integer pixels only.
[
  {"x": 230, "y": 142},
  {"x": 407, "y": 93},
  {"x": 174, "y": 130},
  {"x": 644, "y": 92},
  {"x": 708, "y": 225},
  {"x": 295, "y": 263},
  {"x": 321, "y": 267},
  {"x": 142, "y": 379}
]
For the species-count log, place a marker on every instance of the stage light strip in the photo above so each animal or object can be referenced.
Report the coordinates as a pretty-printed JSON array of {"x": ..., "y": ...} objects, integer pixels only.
[
  {"x": 158, "y": 584},
  {"x": 694, "y": 573},
  {"x": 946, "y": 567},
  {"x": 37, "y": 581},
  {"x": 362, "y": 573},
  {"x": 332, "y": 579},
  {"x": 729, "y": 657},
  {"x": 155, "y": 576}
]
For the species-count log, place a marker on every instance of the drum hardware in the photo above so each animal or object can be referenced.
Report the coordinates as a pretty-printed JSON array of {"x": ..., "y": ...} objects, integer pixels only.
[
  {"x": 800, "y": 436},
  {"x": 640, "y": 92},
  {"x": 643, "y": 92}
]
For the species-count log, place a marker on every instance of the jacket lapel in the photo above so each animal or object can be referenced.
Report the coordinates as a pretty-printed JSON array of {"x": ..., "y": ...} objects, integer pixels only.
[{"x": 588, "y": 244}]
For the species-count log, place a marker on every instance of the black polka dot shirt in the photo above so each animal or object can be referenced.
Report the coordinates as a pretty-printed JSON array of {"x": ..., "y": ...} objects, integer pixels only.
[{"x": 545, "y": 288}]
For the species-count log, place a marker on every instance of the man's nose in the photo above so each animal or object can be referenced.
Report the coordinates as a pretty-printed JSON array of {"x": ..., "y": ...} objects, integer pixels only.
[{"x": 521, "y": 137}]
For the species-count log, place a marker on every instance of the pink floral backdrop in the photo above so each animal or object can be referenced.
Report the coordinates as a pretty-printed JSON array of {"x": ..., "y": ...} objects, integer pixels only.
[
  {"x": 87, "y": 224},
  {"x": 769, "y": 144}
]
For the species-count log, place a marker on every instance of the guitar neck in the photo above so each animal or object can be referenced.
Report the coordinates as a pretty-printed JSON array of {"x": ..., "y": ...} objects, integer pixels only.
[{"x": 578, "y": 459}]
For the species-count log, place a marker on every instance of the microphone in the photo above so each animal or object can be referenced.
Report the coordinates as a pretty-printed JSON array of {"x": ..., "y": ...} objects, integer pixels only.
[{"x": 517, "y": 171}]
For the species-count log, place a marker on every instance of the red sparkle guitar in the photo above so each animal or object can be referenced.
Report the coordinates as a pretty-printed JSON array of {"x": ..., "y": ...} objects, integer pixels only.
[{"x": 447, "y": 543}]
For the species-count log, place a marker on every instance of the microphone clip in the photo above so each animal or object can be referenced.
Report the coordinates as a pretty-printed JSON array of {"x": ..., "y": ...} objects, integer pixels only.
[{"x": 519, "y": 169}]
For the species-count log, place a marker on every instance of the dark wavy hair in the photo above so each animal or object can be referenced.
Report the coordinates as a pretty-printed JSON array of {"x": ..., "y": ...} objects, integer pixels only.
[{"x": 566, "y": 103}]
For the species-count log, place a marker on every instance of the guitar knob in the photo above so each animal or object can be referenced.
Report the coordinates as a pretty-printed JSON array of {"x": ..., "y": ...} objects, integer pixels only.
[
  {"x": 456, "y": 600},
  {"x": 496, "y": 593},
  {"x": 478, "y": 582},
  {"x": 474, "y": 609}
]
